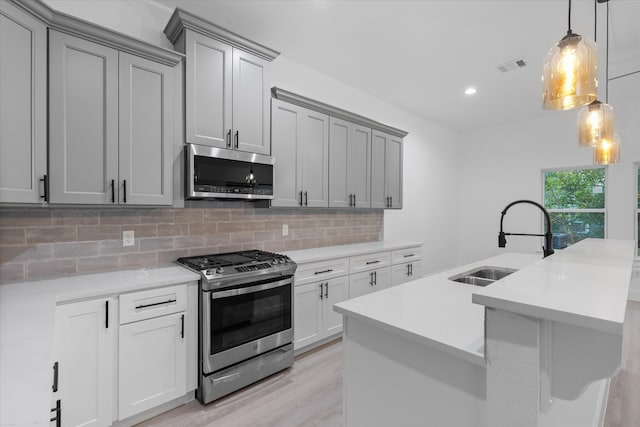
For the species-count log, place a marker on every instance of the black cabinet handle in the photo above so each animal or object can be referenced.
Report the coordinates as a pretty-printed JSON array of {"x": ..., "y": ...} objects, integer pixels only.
[
  {"x": 54, "y": 387},
  {"x": 326, "y": 289},
  {"x": 371, "y": 279},
  {"x": 375, "y": 278},
  {"x": 391, "y": 201},
  {"x": 229, "y": 138},
  {"x": 237, "y": 138},
  {"x": 113, "y": 191},
  {"x": 124, "y": 195},
  {"x": 182, "y": 326},
  {"x": 321, "y": 297},
  {"x": 409, "y": 255},
  {"x": 373, "y": 262},
  {"x": 301, "y": 198},
  {"x": 106, "y": 314},
  {"x": 323, "y": 271},
  {"x": 408, "y": 269},
  {"x": 45, "y": 188},
  {"x": 306, "y": 199},
  {"x": 169, "y": 301},
  {"x": 411, "y": 269},
  {"x": 58, "y": 412}
]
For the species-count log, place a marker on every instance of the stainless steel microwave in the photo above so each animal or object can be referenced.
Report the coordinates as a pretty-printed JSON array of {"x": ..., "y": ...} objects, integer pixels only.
[{"x": 218, "y": 173}]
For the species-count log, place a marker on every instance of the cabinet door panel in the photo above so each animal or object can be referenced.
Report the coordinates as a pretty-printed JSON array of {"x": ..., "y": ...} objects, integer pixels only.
[
  {"x": 360, "y": 284},
  {"x": 208, "y": 90},
  {"x": 339, "y": 145},
  {"x": 284, "y": 135},
  {"x": 378, "y": 189},
  {"x": 23, "y": 108},
  {"x": 359, "y": 167},
  {"x": 145, "y": 150},
  {"x": 337, "y": 290},
  {"x": 313, "y": 144},
  {"x": 84, "y": 350},
  {"x": 83, "y": 125},
  {"x": 250, "y": 103},
  {"x": 393, "y": 171},
  {"x": 307, "y": 314},
  {"x": 152, "y": 364},
  {"x": 382, "y": 278}
]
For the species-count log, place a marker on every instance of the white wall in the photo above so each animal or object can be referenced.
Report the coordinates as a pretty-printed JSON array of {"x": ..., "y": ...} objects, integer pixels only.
[{"x": 430, "y": 151}]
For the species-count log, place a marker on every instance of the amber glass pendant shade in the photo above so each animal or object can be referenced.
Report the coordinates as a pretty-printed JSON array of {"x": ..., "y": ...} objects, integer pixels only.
[
  {"x": 570, "y": 73},
  {"x": 607, "y": 151},
  {"x": 595, "y": 124}
]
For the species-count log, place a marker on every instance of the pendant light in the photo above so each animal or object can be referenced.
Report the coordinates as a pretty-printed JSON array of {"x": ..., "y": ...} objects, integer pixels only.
[
  {"x": 595, "y": 121},
  {"x": 570, "y": 72},
  {"x": 607, "y": 150}
]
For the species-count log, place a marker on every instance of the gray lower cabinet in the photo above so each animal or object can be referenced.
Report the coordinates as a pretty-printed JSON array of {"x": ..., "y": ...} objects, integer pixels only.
[
  {"x": 349, "y": 164},
  {"x": 301, "y": 149},
  {"x": 23, "y": 114},
  {"x": 111, "y": 125},
  {"x": 386, "y": 171}
]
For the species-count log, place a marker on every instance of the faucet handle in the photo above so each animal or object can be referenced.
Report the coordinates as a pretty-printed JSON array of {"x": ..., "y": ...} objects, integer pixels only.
[{"x": 502, "y": 240}]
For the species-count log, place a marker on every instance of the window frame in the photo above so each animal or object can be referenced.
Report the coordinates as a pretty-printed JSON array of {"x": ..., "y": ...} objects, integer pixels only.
[{"x": 591, "y": 210}]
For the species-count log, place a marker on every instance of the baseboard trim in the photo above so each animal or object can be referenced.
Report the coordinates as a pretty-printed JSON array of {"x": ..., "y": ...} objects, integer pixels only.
[{"x": 143, "y": 416}]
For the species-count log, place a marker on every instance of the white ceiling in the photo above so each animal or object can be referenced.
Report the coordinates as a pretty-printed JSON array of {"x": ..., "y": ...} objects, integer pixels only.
[{"x": 422, "y": 54}]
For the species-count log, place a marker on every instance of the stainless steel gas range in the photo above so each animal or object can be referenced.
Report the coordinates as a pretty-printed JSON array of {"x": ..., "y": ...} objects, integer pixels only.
[{"x": 246, "y": 318}]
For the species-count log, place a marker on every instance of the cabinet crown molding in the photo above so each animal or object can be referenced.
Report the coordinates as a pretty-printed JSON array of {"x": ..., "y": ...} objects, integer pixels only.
[
  {"x": 181, "y": 20},
  {"x": 332, "y": 111},
  {"x": 98, "y": 34}
]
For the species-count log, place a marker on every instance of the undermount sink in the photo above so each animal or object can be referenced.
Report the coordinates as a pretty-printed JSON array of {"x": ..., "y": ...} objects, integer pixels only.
[{"x": 483, "y": 276}]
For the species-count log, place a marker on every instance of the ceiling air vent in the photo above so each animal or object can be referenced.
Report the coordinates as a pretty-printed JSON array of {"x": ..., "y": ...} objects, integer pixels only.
[{"x": 514, "y": 65}]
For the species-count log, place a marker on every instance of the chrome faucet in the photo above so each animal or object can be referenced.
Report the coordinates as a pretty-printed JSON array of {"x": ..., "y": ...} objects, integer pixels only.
[{"x": 547, "y": 249}]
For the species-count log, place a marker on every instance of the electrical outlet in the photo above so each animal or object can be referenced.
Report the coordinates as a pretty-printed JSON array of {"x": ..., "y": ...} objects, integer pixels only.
[
  {"x": 285, "y": 229},
  {"x": 128, "y": 238}
]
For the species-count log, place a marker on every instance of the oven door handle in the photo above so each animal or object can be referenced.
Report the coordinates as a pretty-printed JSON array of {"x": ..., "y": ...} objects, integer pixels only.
[{"x": 250, "y": 289}]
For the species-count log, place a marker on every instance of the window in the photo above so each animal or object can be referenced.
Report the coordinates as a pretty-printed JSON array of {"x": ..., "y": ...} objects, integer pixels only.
[{"x": 575, "y": 199}]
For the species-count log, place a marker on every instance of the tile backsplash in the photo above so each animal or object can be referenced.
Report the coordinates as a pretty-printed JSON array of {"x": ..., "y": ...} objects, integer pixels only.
[{"x": 38, "y": 243}]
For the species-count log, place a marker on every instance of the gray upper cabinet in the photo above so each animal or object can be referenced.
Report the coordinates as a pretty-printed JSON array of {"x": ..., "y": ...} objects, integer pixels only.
[
  {"x": 386, "y": 171},
  {"x": 111, "y": 125},
  {"x": 23, "y": 120},
  {"x": 226, "y": 85},
  {"x": 301, "y": 149},
  {"x": 349, "y": 164}
]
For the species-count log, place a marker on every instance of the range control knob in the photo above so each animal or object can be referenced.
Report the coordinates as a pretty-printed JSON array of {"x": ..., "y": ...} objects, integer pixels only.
[{"x": 219, "y": 270}]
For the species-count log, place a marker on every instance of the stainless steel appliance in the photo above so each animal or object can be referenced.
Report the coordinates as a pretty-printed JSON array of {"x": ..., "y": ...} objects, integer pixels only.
[
  {"x": 246, "y": 318},
  {"x": 213, "y": 173}
]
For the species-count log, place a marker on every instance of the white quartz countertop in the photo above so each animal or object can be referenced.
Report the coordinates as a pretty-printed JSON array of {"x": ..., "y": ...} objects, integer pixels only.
[
  {"x": 341, "y": 251},
  {"x": 586, "y": 284},
  {"x": 27, "y": 314}
]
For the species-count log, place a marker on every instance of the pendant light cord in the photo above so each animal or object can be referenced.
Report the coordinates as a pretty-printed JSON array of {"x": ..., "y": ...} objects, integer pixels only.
[
  {"x": 569, "y": 32},
  {"x": 606, "y": 85},
  {"x": 595, "y": 21}
]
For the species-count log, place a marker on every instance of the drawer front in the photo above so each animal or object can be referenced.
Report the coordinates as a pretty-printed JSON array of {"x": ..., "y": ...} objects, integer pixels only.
[
  {"x": 406, "y": 255},
  {"x": 370, "y": 261},
  {"x": 321, "y": 270},
  {"x": 152, "y": 303}
]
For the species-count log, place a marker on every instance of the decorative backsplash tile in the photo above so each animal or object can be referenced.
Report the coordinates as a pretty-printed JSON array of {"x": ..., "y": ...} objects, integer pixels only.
[{"x": 38, "y": 243}]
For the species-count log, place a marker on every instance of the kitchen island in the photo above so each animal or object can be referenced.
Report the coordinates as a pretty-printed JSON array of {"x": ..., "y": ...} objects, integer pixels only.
[{"x": 535, "y": 348}]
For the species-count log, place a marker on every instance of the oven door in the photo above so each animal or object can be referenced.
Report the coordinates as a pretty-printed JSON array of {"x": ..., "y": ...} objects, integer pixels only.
[{"x": 243, "y": 322}]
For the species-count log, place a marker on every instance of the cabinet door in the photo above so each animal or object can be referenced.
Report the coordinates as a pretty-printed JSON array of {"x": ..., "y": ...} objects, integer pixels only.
[
  {"x": 84, "y": 347},
  {"x": 336, "y": 291},
  {"x": 308, "y": 314},
  {"x": 284, "y": 137},
  {"x": 208, "y": 94},
  {"x": 23, "y": 106},
  {"x": 152, "y": 363},
  {"x": 393, "y": 171},
  {"x": 381, "y": 278},
  {"x": 83, "y": 120},
  {"x": 359, "y": 165},
  {"x": 250, "y": 103},
  {"x": 146, "y": 131},
  {"x": 313, "y": 145},
  {"x": 361, "y": 284},
  {"x": 378, "y": 188},
  {"x": 402, "y": 273},
  {"x": 340, "y": 132}
]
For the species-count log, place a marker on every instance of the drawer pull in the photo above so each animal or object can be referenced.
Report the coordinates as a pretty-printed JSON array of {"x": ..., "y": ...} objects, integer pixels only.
[
  {"x": 323, "y": 271},
  {"x": 182, "y": 327},
  {"x": 138, "y": 307},
  {"x": 408, "y": 255},
  {"x": 373, "y": 262},
  {"x": 55, "y": 377}
]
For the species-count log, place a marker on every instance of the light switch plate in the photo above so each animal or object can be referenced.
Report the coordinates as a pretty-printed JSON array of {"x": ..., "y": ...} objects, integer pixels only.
[
  {"x": 285, "y": 229},
  {"x": 128, "y": 238}
]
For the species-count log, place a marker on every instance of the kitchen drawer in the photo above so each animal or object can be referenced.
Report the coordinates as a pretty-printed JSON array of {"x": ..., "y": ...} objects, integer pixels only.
[
  {"x": 406, "y": 255},
  {"x": 370, "y": 261},
  {"x": 152, "y": 303},
  {"x": 321, "y": 270}
]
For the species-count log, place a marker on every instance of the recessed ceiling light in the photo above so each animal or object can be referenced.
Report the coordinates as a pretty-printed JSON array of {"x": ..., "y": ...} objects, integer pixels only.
[{"x": 470, "y": 91}]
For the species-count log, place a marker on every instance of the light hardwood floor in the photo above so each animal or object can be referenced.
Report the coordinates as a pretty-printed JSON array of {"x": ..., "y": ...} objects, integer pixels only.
[{"x": 310, "y": 393}]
